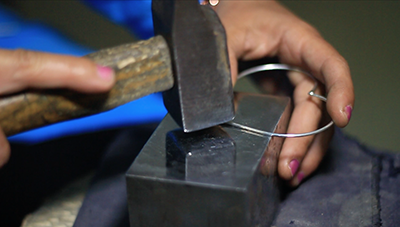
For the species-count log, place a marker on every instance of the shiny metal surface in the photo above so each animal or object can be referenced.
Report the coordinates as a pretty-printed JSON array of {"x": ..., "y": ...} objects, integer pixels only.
[
  {"x": 268, "y": 67},
  {"x": 200, "y": 156},
  {"x": 202, "y": 95},
  {"x": 222, "y": 176}
]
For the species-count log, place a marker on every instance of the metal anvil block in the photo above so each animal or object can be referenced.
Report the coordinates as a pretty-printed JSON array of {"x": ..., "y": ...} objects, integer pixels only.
[{"x": 221, "y": 176}]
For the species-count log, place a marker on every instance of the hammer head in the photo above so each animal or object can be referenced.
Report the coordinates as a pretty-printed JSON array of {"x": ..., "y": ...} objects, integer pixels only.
[{"x": 202, "y": 95}]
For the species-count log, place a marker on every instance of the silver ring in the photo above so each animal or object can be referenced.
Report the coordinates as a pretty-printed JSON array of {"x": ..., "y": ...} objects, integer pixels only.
[{"x": 269, "y": 67}]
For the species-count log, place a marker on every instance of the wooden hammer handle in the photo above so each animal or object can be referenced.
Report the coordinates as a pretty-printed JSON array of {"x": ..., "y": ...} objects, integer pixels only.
[{"x": 141, "y": 68}]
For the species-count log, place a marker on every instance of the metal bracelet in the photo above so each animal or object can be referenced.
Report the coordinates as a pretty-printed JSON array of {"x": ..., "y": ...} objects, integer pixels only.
[{"x": 268, "y": 67}]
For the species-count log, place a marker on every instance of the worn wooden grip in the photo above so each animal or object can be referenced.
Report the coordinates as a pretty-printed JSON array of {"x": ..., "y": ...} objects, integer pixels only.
[{"x": 141, "y": 68}]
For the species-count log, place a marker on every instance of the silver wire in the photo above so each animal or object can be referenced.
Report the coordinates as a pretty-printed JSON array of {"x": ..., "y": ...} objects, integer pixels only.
[{"x": 268, "y": 67}]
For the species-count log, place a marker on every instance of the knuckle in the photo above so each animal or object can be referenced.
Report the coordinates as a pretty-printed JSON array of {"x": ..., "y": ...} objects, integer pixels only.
[
  {"x": 309, "y": 29},
  {"x": 335, "y": 64},
  {"x": 306, "y": 143},
  {"x": 26, "y": 63},
  {"x": 298, "y": 147},
  {"x": 304, "y": 28},
  {"x": 338, "y": 61},
  {"x": 248, "y": 42}
]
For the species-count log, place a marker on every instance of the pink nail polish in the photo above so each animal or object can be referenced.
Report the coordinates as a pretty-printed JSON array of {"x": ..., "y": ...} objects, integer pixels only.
[
  {"x": 348, "y": 109},
  {"x": 105, "y": 73},
  {"x": 300, "y": 177},
  {"x": 294, "y": 165}
]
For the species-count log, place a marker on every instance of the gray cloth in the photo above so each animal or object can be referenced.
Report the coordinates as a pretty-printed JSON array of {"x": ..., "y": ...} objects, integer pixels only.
[
  {"x": 344, "y": 191},
  {"x": 354, "y": 186}
]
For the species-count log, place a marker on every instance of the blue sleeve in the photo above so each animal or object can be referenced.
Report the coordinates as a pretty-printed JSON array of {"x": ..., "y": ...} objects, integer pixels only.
[
  {"x": 136, "y": 15},
  {"x": 18, "y": 33}
]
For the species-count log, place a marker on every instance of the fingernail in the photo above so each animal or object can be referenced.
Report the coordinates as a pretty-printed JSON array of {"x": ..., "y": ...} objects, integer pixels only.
[
  {"x": 213, "y": 2},
  {"x": 348, "y": 109},
  {"x": 300, "y": 177},
  {"x": 294, "y": 165},
  {"x": 106, "y": 73}
]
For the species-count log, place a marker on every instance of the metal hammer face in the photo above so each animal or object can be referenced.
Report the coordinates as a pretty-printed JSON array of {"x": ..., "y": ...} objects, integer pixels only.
[{"x": 202, "y": 95}]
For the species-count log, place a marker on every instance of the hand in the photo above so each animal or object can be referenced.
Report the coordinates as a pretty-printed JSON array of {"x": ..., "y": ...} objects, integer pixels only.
[
  {"x": 22, "y": 69},
  {"x": 257, "y": 29}
]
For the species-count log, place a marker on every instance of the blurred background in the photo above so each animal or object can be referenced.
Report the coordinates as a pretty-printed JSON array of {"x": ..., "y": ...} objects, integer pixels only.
[{"x": 366, "y": 33}]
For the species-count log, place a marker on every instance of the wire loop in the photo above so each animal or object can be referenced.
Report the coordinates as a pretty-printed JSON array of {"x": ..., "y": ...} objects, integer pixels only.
[{"x": 269, "y": 67}]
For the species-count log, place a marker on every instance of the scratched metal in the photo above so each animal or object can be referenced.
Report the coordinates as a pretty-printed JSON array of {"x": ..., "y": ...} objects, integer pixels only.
[
  {"x": 222, "y": 176},
  {"x": 202, "y": 95}
]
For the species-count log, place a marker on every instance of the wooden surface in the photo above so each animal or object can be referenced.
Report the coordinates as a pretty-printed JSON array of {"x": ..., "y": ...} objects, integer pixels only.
[{"x": 141, "y": 68}]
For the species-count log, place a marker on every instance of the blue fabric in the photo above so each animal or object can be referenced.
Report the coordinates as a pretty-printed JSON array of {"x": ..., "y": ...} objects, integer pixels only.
[
  {"x": 136, "y": 15},
  {"x": 17, "y": 33}
]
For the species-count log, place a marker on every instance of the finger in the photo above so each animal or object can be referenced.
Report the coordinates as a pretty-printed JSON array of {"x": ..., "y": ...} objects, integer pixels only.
[
  {"x": 305, "y": 118},
  {"x": 23, "y": 69},
  {"x": 4, "y": 149},
  {"x": 313, "y": 157},
  {"x": 304, "y": 48},
  {"x": 233, "y": 64}
]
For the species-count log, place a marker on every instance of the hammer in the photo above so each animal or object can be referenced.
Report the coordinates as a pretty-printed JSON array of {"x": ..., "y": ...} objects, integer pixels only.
[{"x": 188, "y": 60}]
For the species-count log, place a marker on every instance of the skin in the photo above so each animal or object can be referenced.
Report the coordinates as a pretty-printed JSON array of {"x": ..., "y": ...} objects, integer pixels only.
[
  {"x": 23, "y": 69},
  {"x": 255, "y": 29}
]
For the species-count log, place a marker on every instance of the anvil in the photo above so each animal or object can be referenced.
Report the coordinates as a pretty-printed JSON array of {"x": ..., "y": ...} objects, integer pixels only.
[{"x": 221, "y": 176}]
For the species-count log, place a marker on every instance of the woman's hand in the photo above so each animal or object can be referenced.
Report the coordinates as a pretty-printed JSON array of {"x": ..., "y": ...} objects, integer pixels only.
[
  {"x": 21, "y": 69},
  {"x": 257, "y": 29}
]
